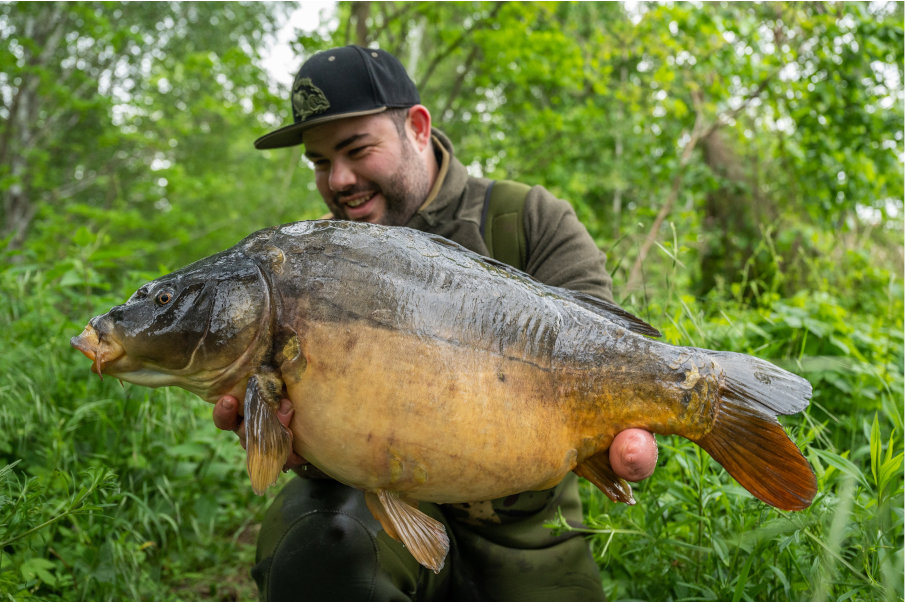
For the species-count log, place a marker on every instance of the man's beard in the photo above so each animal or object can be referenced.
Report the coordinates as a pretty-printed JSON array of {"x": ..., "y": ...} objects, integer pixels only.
[{"x": 404, "y": 191}]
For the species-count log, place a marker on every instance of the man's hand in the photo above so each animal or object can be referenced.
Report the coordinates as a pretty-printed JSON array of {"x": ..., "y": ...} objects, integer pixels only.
[
  {"x": 633, "y": 454},
  {"x": 227, "y": 418}
]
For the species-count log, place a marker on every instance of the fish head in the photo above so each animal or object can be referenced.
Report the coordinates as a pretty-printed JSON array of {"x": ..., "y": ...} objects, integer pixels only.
[{"x": 202, "y": 328}]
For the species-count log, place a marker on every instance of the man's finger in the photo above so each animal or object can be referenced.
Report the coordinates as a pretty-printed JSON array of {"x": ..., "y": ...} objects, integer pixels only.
[
  {"x": 240, "y": 432},
  {"x": 285, "y": 413},
  {"x": 226, "y": 413},
  {"x": 633, "y": 454}
]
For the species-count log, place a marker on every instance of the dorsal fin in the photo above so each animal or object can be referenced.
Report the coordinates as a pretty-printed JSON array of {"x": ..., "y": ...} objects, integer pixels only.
[
  {"x": 613, "y": 313},
  {"x": 601, "y": 307}
]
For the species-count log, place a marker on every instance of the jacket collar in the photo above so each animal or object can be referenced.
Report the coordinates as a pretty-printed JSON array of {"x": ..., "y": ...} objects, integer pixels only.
[{"x": 452, "y": 176}]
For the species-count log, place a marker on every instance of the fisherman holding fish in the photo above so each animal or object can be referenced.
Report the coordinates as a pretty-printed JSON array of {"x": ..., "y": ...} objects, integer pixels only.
[
  {"x": 377, "y": 159},
  {"x": 455, "y": 396}
]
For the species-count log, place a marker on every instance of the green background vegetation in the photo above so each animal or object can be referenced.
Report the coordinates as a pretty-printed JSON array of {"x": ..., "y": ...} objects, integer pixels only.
[{"x": 741, "y": 164}]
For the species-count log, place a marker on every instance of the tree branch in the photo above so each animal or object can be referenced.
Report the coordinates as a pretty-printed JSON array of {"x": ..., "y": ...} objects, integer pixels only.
[
  {"x": 698, "y": 133},
  {"x": 451, "y": 47},
  {"x": 360, "y": 13},
  {"x": 460, "y": 81},
  {"x": 388, "y": 17}
]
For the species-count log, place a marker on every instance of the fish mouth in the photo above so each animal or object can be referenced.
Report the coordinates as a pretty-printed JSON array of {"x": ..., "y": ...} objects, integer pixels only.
[{"x": 102, "y": 353}]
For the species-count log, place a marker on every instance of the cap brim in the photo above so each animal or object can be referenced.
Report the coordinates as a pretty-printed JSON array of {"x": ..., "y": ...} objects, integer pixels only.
[{"x": 291, "y": 135}]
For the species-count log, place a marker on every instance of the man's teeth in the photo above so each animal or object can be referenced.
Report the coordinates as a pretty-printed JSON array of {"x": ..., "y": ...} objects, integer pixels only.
[{"x": 360, "y": 202}]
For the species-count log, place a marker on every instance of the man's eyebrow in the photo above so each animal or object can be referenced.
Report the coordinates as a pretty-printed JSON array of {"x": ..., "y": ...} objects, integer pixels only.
[{"x": 339, "y": 145}]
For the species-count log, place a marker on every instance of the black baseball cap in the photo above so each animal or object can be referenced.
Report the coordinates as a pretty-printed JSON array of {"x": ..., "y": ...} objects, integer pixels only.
[{"x": 343, "y": 82}]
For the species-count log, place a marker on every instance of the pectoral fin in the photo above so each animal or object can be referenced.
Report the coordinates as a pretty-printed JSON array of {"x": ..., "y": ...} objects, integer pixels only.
[
  {"x": 597, "y": 469},
  {"x": 268, "y": 443},
  {"x": 424, "y": 537}
]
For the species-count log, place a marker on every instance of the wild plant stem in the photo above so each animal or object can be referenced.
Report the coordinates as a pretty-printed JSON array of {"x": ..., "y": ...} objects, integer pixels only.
[{"x": 49, "y": 521}]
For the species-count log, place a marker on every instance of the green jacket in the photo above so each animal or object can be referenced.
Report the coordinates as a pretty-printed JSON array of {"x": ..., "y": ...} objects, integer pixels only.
[{"x": 560, "y": 252}]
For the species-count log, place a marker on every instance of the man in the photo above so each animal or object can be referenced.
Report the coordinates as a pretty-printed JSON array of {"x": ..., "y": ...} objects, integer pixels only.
[{"x": 377, "y": 159}]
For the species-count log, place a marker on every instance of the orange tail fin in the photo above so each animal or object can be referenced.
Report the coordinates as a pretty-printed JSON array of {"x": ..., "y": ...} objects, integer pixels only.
[{"x": 748, "y": 441}]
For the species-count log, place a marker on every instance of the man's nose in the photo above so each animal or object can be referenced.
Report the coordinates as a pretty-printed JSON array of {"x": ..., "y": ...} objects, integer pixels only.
[{"x": 341, "y": 176}]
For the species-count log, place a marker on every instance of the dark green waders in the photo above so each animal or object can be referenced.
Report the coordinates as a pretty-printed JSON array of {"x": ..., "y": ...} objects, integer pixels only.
[{"x": 318, "y": 541}]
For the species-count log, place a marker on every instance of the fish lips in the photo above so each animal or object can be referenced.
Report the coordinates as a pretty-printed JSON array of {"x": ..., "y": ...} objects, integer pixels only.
[{"x": 101, "y": 352}]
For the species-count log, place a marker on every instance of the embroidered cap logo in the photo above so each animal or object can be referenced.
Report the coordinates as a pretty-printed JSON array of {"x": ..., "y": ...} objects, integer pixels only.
[{"x": 308, "y": 99}]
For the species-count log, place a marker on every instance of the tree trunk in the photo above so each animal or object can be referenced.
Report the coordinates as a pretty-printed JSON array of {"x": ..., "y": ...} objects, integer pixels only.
[
  {"x": 22, "y": 130},
  {"x": 699, "y": 132},
  {"x": 360, "y": 13}
]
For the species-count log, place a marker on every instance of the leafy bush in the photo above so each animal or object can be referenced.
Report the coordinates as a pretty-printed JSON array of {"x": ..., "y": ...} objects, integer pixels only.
[{"x": 107, "y": 492}]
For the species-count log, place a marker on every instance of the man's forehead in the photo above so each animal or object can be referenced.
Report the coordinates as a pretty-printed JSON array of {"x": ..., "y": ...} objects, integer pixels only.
[{"x": 336, "y": 134}]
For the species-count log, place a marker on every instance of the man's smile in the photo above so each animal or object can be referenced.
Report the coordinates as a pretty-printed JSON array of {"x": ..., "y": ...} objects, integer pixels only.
[
  {"x": 357, "y": 202},
  {"x": 360, "y": 205}
]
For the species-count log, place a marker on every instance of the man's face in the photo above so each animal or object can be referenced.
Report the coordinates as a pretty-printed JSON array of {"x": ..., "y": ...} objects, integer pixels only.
[{"x": 366, "y": 171}]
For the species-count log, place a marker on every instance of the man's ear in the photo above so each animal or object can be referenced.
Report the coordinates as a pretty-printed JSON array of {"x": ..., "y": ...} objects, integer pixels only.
[{"x": 419, "y": 126}]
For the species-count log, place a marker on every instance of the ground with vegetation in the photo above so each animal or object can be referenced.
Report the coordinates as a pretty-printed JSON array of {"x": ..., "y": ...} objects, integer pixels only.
[{"x": 741, "y": 165}]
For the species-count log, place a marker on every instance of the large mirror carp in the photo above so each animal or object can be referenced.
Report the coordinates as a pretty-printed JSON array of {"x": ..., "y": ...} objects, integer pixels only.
[{"x": 419, "y": 370}]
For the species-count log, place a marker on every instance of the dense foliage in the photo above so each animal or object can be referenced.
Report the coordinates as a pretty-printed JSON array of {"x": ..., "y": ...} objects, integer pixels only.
[{"x": 741, "y": 164}]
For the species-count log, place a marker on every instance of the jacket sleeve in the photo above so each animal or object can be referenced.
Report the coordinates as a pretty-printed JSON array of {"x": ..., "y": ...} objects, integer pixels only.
[{"x": 560, "y": 251}]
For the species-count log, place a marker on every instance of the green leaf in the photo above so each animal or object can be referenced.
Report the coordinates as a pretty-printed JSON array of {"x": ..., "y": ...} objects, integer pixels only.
[
  {"x": 72, "y": 278},
  {"x": 890, "y": 470},
  {"x": 83, "y": 237},
  {"x": 876, "y": 448},
  {"x": 841, "y": 463},
  {"x": 39, "y": 568}
]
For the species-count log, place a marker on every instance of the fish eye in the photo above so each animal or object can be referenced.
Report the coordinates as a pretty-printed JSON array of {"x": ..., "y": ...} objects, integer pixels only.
[{"x": 164, "y": 297}]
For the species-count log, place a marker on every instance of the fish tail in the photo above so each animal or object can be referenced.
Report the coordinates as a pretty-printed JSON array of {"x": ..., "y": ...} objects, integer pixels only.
[{"x": 748, "y": 441}]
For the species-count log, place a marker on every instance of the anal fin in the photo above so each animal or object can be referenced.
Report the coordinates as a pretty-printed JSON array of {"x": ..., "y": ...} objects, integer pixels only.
[
  {"x": 597, "y": 469},
  {"x": 267, "y": 442},
  {"x": 424, "y": 537}
]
